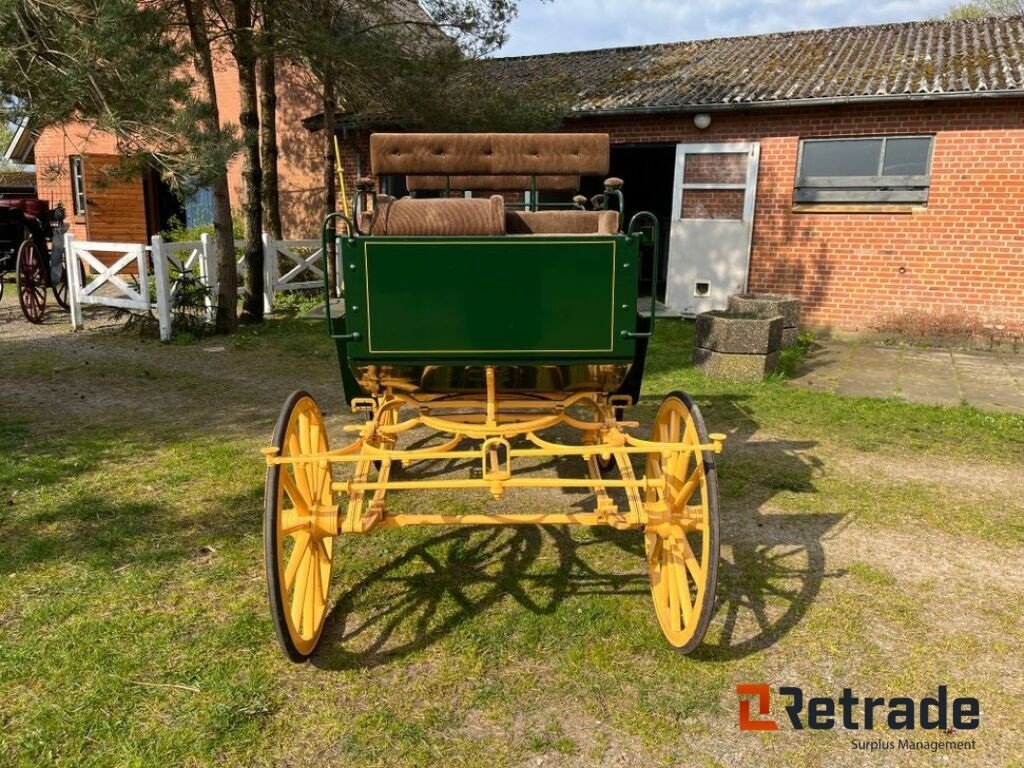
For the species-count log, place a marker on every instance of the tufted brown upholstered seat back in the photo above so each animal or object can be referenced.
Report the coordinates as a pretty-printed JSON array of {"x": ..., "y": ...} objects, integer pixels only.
[
  {"x": 450, "y": 154},
  {"x": 437, "y": 217},
  {"x": 491, "y": 183}
]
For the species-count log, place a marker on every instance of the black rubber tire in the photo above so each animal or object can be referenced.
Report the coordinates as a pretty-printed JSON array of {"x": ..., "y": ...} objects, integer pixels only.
[
  {"x": 714, "y": 525},
  {"x": 270, "y": 562}
]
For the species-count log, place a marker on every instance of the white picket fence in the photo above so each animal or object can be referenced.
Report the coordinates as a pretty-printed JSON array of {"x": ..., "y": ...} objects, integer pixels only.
[{"x": 289, "y": 265}]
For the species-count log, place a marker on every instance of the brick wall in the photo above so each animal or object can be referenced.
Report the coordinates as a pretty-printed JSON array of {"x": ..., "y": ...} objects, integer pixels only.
[
  {"x": 961, "y": 254},
  {"x": 53, "y": 150}
]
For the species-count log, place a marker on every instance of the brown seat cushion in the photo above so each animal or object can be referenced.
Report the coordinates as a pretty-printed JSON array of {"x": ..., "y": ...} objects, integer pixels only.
[
  {"x": 562, "y": 222},
  {"x": 438, "y": 217}
]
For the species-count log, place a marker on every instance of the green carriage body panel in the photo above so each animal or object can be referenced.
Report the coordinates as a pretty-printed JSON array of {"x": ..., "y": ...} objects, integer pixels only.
[
  {"x": 545, "y": 310},
  {"x": 515, "y": 299}
]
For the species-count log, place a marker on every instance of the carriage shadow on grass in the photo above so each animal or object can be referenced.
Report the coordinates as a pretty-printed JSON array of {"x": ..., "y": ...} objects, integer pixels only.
[{"x": 772, "y": 567}]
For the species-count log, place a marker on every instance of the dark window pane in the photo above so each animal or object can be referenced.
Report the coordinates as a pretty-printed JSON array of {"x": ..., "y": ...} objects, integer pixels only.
[
  {"x": 854, "y": 157},
  {"x": 906, "y": 157}
]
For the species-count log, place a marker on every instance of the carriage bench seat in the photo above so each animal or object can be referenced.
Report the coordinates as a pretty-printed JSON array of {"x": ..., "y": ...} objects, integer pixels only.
[
  {"x": 561, "y": 222},
  {"x": 468, "y": 217}
]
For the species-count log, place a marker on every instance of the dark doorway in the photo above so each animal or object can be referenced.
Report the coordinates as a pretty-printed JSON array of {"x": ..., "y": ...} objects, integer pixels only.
[
  {"x": 647, "y": 172},
  {"x": 164, "y": 209}
]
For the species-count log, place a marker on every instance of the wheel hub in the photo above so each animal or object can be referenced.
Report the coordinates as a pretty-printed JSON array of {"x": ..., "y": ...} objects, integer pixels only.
[{"x": 324, "y": 520}]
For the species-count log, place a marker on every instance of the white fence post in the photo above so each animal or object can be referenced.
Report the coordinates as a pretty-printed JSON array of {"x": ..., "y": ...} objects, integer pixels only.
[
  {"x": 269, "y": 272},
  {"x": 208, "y": 274},
  {"x": 73, "y": 275},
  {"x": 163, "y": 287}
]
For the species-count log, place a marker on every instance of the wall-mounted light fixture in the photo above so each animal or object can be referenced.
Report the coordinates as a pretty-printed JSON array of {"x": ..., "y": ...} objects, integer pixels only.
[{"x": 702, "y": 120}]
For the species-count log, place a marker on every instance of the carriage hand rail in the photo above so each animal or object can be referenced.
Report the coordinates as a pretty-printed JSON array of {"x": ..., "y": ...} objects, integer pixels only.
[
  {"x": 352, "y": 230},
  {"x": 654, "y": 269}
]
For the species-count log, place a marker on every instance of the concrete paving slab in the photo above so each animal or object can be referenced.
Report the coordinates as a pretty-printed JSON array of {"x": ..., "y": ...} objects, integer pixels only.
[
  {"x": 987, "y": 383},
  {"x": 871, "y": 372},
  {"x": 928, "y": 376},
  {"x": 986, "y": 380},
  {"x": 822, "y": 367}
]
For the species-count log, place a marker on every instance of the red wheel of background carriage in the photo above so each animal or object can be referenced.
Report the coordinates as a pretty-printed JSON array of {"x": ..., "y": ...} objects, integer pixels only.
[{"x": 31, "y": 281}]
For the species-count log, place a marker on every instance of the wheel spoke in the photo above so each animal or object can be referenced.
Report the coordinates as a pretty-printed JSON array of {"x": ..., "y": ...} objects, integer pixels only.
[
  {"x": 298, "y": 557},
  {"x": 669, "y": 569},
  {"x": 301, "y": 588},
  {"x": 288, "y": 483},
  {"x": 301, "y": 478},
  {"x": 687, "y": 489},
  {"x": 309, "y": 597},
  {"x": 304, "y": 442},
  {"x": 695, "y": 568},
  {"x": 653, "y": 548},
  {"x": 325, "y": 570},
  {"x": 682, "y": 586}
]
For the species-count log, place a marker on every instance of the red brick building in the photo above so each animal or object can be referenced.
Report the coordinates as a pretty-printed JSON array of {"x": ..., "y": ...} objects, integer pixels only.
[
  {"x": 876, "y": 172},
  {"x": 889, "y": 181},
  {"x": 75, "y": 164}
]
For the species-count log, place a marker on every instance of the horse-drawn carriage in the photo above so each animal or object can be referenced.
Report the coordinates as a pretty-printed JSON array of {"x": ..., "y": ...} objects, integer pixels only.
[
  {"x": 482, "y": 334},
  {"x": 31, "y": 248}
]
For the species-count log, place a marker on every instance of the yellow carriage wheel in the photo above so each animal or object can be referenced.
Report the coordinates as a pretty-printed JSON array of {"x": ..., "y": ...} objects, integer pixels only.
[
  {"x": 299, "y": 529},
  {"x": 681, "y": 537}
]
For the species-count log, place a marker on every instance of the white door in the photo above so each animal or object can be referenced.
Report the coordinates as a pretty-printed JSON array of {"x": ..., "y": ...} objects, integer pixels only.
[{"x": 712, "y": 220}]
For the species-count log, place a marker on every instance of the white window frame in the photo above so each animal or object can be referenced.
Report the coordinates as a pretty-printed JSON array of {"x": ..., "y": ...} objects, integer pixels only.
[{"x": 78, "y": 201}]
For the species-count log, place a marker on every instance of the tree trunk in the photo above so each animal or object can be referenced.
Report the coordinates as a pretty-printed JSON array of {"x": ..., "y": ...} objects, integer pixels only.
[
  {"x": 330, "y": 196},
  {"x": 244, "y": 52},
  {"x": 227, "y": 272},
  {"x": 268, "y": 127}
]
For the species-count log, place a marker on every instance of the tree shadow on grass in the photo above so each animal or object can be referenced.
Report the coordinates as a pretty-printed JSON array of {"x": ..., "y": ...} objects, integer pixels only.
[
  {"x": 772, "y": 568},
  {"x": 107, "y": 530}
]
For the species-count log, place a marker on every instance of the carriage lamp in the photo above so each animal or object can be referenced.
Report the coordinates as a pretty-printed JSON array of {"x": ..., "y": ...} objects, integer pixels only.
[{"x": 702, "y": 120}]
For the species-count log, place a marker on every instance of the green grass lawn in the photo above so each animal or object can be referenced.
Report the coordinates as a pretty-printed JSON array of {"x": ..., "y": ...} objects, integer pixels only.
[{"x": 870, "y": 544}]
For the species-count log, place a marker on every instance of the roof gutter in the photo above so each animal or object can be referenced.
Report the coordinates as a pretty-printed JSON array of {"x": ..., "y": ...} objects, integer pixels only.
[{"x": 788, "y": 103}]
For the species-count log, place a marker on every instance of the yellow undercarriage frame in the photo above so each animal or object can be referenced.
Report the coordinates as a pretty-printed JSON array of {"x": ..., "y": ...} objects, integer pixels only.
[{"x": 311, "y": 500}]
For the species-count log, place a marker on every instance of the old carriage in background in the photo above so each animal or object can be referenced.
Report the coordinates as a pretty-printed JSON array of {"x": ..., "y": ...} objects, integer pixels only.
[
  {"x": 32, "y": 253},
  {"x": 499, "y": 337}
]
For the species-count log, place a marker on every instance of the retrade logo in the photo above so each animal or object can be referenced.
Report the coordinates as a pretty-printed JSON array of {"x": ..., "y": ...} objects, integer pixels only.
[
  {"x": 763, "y": 694},
  {"x": 852, "y": 713}
]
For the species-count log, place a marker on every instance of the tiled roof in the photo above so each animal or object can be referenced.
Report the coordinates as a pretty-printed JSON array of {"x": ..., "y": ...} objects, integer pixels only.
[{"x": 929, "y": 59}]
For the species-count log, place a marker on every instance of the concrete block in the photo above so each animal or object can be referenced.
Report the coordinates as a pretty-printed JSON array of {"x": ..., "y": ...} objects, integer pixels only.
[
  {"x": 724, "y": 365},
  {"x": 735, "y": 332},
  {"x": 768, "y": 305},
  {"x": 790, "y": 336}
]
